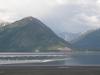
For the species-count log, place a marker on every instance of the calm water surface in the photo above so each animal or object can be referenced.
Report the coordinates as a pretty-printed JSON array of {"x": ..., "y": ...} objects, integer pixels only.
[
  {"x": 84, "y": 59},
  {"x": 72, "y": 59}
]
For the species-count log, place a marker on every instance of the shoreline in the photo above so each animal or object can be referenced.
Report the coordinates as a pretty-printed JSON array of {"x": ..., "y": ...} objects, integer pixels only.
[
  {"x": 29, "y": 66},
  {"x": 50, "y": 70}
]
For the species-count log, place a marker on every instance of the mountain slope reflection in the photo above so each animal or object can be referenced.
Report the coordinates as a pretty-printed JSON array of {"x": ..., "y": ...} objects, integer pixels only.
[
  {"x": 51, "y": 59},
  {"x": 33, "y": 58}
]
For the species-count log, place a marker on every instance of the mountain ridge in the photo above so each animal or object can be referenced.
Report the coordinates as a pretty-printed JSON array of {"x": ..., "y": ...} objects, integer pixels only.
[
  {"x": 90, "y": 41},
  {"x": 29, "y": 34}
]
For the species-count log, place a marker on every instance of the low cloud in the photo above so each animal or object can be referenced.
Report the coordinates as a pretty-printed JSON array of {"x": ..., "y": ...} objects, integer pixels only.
[
  {"x": 60, "y": 15},
  {"x": 76, "y": 16}
]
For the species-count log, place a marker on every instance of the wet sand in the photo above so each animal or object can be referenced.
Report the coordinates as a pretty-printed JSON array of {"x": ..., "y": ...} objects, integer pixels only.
[{"x": 49, "y": 70}]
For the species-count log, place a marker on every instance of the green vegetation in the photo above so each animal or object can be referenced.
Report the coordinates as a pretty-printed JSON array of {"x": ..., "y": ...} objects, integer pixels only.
[
  {"x": 28, "y": 35},
  {"x": 89, "y": 41}
]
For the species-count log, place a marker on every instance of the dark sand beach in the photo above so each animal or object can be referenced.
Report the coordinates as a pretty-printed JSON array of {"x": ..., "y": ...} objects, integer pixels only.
[{"x": 50, "y": 70}]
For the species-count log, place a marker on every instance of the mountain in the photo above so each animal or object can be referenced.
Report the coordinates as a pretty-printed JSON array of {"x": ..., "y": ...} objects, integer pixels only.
[
  {"x": 29, "y": 34},
  {"x": 2, "y": 23},
  {"x": 69, "y": 36},
  {"x": 89, "y": 41}
]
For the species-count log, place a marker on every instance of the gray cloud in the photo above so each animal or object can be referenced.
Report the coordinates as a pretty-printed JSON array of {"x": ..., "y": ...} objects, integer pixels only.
[
  {"x": 3, "y": 10},
  {"x": 60, "y": 15},
  {"x": 75, "y": 17}
]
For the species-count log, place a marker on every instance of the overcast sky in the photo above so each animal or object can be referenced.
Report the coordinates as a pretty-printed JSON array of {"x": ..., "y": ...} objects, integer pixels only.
[{"x": 60, "y": 15}]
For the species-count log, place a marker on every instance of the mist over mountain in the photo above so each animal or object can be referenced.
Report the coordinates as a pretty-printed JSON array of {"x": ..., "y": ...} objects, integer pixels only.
[
  {"x": 3, "y": 23},
  {"x": 68, "y": 36},
  {"x": 89, "y": 41},
  {"x": 27, "y": 35}
]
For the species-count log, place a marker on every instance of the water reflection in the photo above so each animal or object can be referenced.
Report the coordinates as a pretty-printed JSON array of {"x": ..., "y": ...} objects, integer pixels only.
[
  {"x": 68, "y": 59},
  {"x": 84, "y": 58}
]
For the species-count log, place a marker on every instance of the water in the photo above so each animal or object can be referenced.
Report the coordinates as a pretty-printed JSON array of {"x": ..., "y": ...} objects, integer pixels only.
[
  {"x": 92, "y": 59},
  {"x": 68, "y": 59}
]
